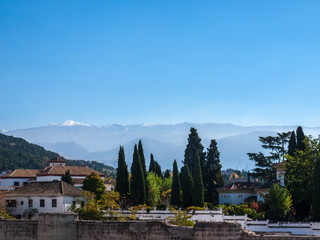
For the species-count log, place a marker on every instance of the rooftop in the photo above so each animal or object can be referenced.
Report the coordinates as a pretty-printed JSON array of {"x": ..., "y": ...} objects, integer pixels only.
[
  {"x": 61, "y": 170},
  {"x": 240, "y": 186},
  {"x": 21, "y": 173}
]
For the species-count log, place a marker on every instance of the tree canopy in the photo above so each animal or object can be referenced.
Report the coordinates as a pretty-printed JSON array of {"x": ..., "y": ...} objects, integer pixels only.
[
  {"x": 122, "y": 180},
  {"x": 176, "y": 187},
  {"x": 94, "y": 184}
]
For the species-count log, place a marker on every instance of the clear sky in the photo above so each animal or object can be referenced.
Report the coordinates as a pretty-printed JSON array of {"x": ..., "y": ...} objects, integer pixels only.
[{"x": 160, "y": 61}]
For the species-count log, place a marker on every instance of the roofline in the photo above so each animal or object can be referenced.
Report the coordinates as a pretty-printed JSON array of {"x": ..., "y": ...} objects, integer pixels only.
[
  {"x": 17, "y": 177},
  {"x": 82, "y": 175}
]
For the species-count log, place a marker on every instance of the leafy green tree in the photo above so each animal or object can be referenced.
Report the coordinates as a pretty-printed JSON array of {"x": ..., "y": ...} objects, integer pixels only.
[
  {"x": 67, "y": 178},
  {"x": 186, "y": 186},
  {"x": 212, "y": 175},
  {"x": 122, "y": 180},
  {"x": 176, "y": 187},
  {"x": 198, "y": 189},
  {"x": 154, "y": 186},
  {"x": 278, "y": 203},
  {"x": 299, "y": 177},
  {"x": 292, "y": 146},
  {"x": 300, "y": 139},
  {"x": 137, "y": 181},
  {"x": 264, "y": 164},
  {"x": 167, "y": 174},
  {"x": 316, "y": 191},
  {"x": 94, "y": 184},
  {"x": 194, "y": 145}
]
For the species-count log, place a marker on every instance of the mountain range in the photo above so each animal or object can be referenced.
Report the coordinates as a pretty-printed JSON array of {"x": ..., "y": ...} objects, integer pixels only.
[{"x": 167, "y": 142}]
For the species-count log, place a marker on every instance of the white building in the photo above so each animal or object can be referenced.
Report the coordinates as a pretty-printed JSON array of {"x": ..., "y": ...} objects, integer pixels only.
[
  {"x": 240, "y": 192},
  {"x": 281, "y": 172},
  {"x": 38, "y": 197},
  {"x": 17, "y": 178}
]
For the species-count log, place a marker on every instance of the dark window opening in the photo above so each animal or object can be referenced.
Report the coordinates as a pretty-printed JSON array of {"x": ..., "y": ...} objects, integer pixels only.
[
  {"x": 16, "y": 184},
  {"x": 11, "y": 203},
  {"x": 42, "y": 203},
  {"x": 30, "y": 203},
  {"x": 54, "y": 202}
]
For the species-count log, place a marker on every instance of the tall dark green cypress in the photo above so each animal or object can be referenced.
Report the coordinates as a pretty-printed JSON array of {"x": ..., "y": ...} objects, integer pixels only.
[
  {"x": 194, "y": 145},
  {"x": 152, "y": 166},
  {"x": 212, "y": 175},
  {"x": 292, "y": 146},
  {"x": 176, "y": 187},
  {"x": 316, "y": 192},
  {"x": 198, "y": 189},
  {"x": 142, "y": 159},
  {"x": 167, "y": 173},
  {"x": 122, "y": 185},
  {"x": 67, "y": 178},
  {"x": 300, "y": 137},
  {"x": 186, "y": 186},
  {"x": 158, "y": 169},
  {"x": 137, "y": 181}
]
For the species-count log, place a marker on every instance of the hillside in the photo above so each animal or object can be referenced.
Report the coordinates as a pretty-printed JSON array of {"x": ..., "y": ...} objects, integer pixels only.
[{"x": 18, "y": 153}]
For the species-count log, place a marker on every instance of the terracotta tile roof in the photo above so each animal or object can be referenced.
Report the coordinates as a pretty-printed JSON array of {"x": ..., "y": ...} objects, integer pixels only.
[
  {"x": 78, "y": 180},
  {"x": 240, "y": 186},
  {"x": 61, "y": 170},
  {"x": 280, "y": 165},
  {"x": 49, "y": 189},
  {"x": 21, "y": 173},
  {"x": 58, "y": 159}
]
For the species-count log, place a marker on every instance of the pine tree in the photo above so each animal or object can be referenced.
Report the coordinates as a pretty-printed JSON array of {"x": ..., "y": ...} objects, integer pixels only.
[
  {"x": 122, "y": 174},
  {"x": 176, "y": 187},
  {"x": 186, "y": 186},
  {"x": 67, "y": 178},
  {"x": 212, "y": 176},
  {"x": 198, "y": 189},
  {"x": 316, "y": 192},
  {"x": 292, "y": 146},
  {"x": 152, "y": 166},
  {"x": 137, "y": 181},
  {"x": 194, "y": 145},
  {"x": 300, "y": 137}
]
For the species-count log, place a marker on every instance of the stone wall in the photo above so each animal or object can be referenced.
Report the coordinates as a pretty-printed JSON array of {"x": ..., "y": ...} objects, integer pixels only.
[{"x": 67, "y": 226}]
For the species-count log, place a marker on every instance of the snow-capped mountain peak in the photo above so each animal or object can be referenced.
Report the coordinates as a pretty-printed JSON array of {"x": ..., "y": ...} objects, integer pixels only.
[{"x": 70, "y": 123}]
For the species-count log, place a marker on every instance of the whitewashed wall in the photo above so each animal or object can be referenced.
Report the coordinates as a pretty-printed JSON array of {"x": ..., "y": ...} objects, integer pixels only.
[
  {"x": 233, "y": 198},
  {"x": 6, "y": 183}
]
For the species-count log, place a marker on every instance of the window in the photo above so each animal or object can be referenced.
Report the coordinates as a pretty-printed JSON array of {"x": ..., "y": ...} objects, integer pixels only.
[
  {"x": 54, "y": 202},
  {"x": 42, "y": 203},
  {"x": 16, "y": 184},
  {"x": 21, "y": 203},
  {"x": 11, "y": 203},
  {"x": 30, "y": 203}
]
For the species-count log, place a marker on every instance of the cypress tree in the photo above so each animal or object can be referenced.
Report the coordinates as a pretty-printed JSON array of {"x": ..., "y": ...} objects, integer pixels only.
[
  {"x": 67, "y": 178},
  {"x": 292, "y": 146},
  {"x": 152, "y": 166},
  {"x": 142, "y": 159},
  {"x": 198, "y": 189},
  {"x": 158, "y": 169},
  {"x": 176, "y": 187},
  {"x": 316, "y": 192},
  {"x": 194, "y": 145},
  {"x": 186, "y": 186},
  {"x": 300, "y": 137},
  {"x": 137, "y": 186},
  {"x": 167, "y": 173},
  {"x": 212, "y": 175},
  {"x": 122, "y": 185}
]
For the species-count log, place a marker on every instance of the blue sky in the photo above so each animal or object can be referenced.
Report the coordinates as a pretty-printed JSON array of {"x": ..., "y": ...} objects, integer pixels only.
[{"x": 103, "y": 62}]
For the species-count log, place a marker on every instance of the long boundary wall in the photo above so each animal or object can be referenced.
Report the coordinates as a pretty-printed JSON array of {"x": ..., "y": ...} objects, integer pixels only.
[{"x": 51, "y": 226}]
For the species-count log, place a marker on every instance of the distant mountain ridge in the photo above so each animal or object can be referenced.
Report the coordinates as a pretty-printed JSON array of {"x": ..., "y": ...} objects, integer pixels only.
[{"x": 166, "y": 141}]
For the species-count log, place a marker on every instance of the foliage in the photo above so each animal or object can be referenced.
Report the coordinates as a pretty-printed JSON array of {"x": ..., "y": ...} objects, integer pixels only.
[
  {"x": 194, "y": 208},
  {"x": 92, "y": 164},
  {"x": 278, "y": 203},
  {"x": 194, "y": 145},
  {"x": 181, "y": 218},
  {"x": 67, "y": 178},
  {"x": 154, "y": 187},
  {"x": 142, "y": 159},
  {"x": 264, "y": 164},
  {"x": 167, "y": 174},
  {"x": 292, "y": 146},
  {"x": 176, "y": 187},
  {"x": 299, "y": 177},
  {"x": 300, "y": 139},
  {"x": 155, "y": 166},
  {"x": 3, "y": 212},
  {"x": 94, "y": 184},
  {"x": 186, "y": 186},
  {"x": 122, "y": 180},
  {"x": 137, "y": 181},
  {"x": 242, "y": 209},
  {"x": 198, "y": 189},
  {"x": 90, "y": 210},
  {"x": 316, "y": 192},
  {"x": 212, "y": 176}
]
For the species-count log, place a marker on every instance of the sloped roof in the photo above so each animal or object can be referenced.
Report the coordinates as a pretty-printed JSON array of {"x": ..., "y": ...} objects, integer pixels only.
[
  {"x": 240, "y": 186},
  {"x": 46, "y": 189},
  {"x": 61, "y": 170},
  {"x": 21, "y": 173},
  {"x": 58, "y": 159},
  {"x": 280, "y": 165}
]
